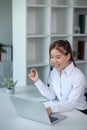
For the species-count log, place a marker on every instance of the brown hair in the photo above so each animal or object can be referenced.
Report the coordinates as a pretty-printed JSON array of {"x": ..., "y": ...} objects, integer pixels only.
[{"x": 65, "y": 45}]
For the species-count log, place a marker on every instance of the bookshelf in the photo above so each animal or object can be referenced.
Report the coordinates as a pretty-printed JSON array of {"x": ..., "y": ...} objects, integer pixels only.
[{"x": 37, "y": 23}]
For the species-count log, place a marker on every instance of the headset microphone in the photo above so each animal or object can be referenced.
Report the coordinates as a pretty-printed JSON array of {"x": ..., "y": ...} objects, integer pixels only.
[{"x": 51, "y": 68}]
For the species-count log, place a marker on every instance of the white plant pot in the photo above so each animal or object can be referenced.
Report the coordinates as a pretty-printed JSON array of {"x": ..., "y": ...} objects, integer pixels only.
[{"x": 10, "y": 91}]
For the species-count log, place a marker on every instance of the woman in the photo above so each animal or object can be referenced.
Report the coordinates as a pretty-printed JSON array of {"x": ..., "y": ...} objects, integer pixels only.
[{"x": 67, "y": 82}]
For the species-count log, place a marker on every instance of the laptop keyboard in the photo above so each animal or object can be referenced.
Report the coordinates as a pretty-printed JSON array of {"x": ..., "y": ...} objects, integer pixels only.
[{"x": 52, "y": 119}]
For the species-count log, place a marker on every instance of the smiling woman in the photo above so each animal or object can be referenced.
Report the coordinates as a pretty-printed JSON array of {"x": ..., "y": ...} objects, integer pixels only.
[
  {"x": 64, "y": 49},
  {"x": 64, "y": 76}
]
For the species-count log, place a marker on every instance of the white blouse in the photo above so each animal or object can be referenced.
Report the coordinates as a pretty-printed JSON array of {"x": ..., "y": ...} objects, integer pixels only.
[{"x": 69, "y": 89}]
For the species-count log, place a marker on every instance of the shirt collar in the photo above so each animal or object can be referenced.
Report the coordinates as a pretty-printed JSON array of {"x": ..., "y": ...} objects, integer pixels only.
[{"x": 69, "y": 69}]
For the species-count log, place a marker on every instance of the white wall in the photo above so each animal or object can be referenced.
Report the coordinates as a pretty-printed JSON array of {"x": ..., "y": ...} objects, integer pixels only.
[
  {"x": 5, "y": 34},
  {"x": 6, "y": 21}
]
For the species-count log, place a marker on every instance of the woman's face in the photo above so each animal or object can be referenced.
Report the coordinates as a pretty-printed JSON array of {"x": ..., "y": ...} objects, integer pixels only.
[{"x": 58, "y": 59}]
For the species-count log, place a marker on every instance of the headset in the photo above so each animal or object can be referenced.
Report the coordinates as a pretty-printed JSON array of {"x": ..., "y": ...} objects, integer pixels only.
[{"x": 51, "y": 68}]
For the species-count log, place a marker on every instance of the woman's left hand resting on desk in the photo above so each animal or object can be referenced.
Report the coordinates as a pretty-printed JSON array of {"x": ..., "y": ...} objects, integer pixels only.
[{"x": 49, "y": 111}]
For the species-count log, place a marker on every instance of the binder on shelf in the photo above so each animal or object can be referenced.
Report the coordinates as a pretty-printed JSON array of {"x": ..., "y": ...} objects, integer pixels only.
[
  {"x": 7, "y": 56},
  {"x": 82, "y": 50},
  {"x": 0, "y": 56},
  {"x": 83, "y": 23}
]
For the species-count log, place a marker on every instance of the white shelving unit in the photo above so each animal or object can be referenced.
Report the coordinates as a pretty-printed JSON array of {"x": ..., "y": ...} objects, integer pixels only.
[{"x": 37, "y": 23}]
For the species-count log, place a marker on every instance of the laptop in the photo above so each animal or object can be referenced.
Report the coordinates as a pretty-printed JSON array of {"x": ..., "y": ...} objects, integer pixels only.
[{"x": 34, "y": 110}]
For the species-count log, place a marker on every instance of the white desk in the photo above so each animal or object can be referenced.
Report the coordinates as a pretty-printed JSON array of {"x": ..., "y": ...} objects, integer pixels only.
[{"x": 10, "y": 121}]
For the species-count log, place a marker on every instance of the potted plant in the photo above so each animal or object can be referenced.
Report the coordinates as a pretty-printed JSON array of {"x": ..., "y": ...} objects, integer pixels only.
[{"x": 9, "y": 84}]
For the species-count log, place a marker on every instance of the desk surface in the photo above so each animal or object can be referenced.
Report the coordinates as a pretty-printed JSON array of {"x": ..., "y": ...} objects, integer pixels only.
[{"x": 10, "y": 121}]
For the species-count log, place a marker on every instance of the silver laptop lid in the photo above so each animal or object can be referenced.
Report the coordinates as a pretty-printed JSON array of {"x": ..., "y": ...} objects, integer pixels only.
[{"x": 33, "y": 110}]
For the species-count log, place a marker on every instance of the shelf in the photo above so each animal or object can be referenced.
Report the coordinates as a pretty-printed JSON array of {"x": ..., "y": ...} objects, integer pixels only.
[
  {"x": 37, "y": 50},
  {"x": 80, "y": 7},
  {"x": 80, "y": 61},
  {"x": 61, "y": 3},
  {"x": 79, "y": 3},
  {"x": 36, "y": 6},
  {"x": 36, "y": 36},
  {"x": 36, "y": 64},
  {"x": 80, "y": 35},
  {"x": 37, "y": 2},
  {"x": 61, "y": 35},
  {"x": 60, "y": 6},
  {"x": 59, "y": 24},
  {"x": 36, "y": 17}
]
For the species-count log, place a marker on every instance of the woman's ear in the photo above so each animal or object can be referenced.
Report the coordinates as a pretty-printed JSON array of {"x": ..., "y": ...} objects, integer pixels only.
[{"x": 68, "y": 57}]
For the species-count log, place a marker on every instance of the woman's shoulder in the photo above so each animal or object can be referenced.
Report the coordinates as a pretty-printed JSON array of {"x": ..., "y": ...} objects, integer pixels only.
[
  {"x": 79, "y": 74},
  {"x": 78, "y": 71}
]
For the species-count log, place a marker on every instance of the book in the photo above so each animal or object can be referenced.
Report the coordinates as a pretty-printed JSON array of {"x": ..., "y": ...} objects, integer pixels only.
[
  {"x": 0, "y": 56},
  {"x": 82, "y": 50},
  {"x": 83, "y": 23},
  {"x": 85, "y": 51},
  {"x": 7, "y": 56},
  {"x": 4, "y": 54}
]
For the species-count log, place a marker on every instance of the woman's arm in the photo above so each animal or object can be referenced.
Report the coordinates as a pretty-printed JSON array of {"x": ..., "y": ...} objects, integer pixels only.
[{"x": 46, "y": 91}]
